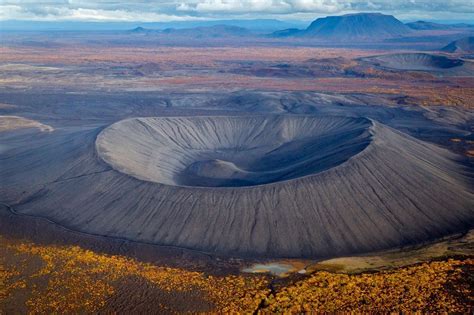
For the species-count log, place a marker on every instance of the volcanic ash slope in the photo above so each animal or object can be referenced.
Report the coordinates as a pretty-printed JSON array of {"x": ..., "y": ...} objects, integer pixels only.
[{"x": 274, "y": 186}]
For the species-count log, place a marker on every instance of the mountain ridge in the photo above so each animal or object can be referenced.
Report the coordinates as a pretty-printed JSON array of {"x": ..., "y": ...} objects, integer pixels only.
[{"x": 221, "y": 30}]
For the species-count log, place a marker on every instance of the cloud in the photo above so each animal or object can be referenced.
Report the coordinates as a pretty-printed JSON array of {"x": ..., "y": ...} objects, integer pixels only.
[
  {"x": 326, "y": 6},
  {"x": 167, "y": 10},
  {"x": 262, "y": 6},
  {"x": 76, "y": 10}
]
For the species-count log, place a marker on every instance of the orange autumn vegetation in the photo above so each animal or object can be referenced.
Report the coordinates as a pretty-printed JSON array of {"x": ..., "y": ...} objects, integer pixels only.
[
  {"x": 180, "y": 55},
  {"x": 80, "y": 280},
  {"x": 416, "y": 288},
  {"x": 69, "y": 279}
]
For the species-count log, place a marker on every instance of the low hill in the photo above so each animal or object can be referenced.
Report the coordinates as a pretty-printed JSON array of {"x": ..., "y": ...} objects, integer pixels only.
[
  {"x": 139, "y": 29},
  {"x": 465, "y": 44},
  {"x": 424, "y": 25}
]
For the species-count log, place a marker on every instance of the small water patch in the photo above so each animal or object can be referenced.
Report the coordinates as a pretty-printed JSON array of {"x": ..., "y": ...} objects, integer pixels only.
[{"x": 276, "y": 269}]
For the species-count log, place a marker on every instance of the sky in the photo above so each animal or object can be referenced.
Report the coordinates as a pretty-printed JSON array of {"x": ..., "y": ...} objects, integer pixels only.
[{"x": 195, "y": 10}]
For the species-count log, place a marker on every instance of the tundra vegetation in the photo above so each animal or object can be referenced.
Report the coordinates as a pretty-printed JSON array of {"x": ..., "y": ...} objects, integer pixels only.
[{"x": 52, "y": 279}]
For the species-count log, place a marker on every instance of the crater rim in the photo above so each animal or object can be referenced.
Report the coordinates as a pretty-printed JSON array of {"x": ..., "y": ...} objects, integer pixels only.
[{"x": 367, "y": 122}]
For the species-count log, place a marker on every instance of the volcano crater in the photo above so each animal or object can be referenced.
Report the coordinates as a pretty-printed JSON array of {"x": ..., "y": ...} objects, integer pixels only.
[{"x": 230, "y": 151}]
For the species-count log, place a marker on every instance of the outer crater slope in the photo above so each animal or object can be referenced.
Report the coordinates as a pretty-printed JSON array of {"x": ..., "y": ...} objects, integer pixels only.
[
  {"x": 307, "y": 186},
  {"x": 438, "y": 64},
  {"x": 316, "y": 186}
]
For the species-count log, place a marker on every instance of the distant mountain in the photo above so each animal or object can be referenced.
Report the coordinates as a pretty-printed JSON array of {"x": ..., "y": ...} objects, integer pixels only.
[
  {"x": 258, "y": 25},
  {"x": 463, "y": 25},
  {"x": 288, "y": 32},
  {"x": 465, "y": 45},
  {"x": 209, "y": 31},
  {"x": 198, "y": 32},
  {"x": 357, "y": 26},
  {"x": 138, "y": 30},
  {"x": 360, "y": 26},
  {"x": 423, "y": 25}
]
